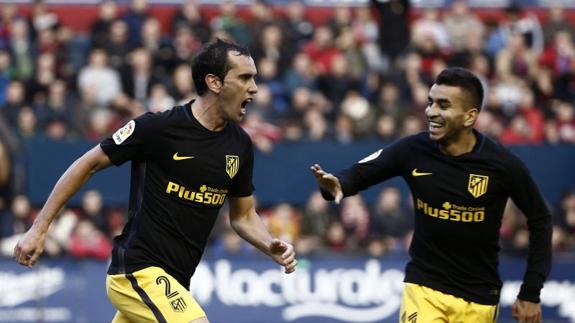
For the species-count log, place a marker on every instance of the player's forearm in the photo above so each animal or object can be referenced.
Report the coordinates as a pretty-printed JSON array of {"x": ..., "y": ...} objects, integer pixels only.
[
  {"x": 539, "y": 261},
  {"x": 252, "y": 229}
]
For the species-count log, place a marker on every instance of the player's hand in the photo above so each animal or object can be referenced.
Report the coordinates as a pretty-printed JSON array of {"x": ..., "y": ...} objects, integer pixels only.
[
  {"x": 284, "y": 254},
  {"x": 526, "y": 312},
  {"x": 30, "y": 247},
  {"x": 327, "y": 182}
]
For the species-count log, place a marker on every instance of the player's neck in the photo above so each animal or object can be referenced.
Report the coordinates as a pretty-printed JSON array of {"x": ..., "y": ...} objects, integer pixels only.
[
  {"x": 206, "y": 111},
  {"x": 463, "y": 144}
]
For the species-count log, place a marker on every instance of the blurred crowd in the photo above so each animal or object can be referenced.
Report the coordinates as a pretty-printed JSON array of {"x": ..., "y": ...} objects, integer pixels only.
[{"x": 363, "y": 73}]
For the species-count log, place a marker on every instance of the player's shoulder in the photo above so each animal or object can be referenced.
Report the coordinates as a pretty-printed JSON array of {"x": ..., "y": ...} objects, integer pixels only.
[
  {"x": 493, "y": 149},
  {"x": 160, "y": 119},
  {"x": 417, "y": 140}
]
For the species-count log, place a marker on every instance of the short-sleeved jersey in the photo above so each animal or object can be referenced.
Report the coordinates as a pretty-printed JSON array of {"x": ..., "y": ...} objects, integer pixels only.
[
  {"x": 181, "y": 176},
  {"x": 459, "y": 203}
]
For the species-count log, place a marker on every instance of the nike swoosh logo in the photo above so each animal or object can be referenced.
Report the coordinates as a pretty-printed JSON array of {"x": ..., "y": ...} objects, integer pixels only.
[
  {"x": 415, "y": 173},
  {"x": 176, "y": 157}
]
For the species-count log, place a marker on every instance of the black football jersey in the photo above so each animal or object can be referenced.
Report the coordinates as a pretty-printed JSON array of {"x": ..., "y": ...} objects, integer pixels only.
[
  {"x": 181, "y": 175},
  {"x": 459, "y": 203}
]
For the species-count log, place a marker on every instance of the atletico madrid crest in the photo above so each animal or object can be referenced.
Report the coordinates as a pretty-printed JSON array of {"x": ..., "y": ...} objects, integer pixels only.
[
  {"x": 477, "y": 184},
  {"x": 178, "y": 305},
  {"x": 232, "y": 165}
]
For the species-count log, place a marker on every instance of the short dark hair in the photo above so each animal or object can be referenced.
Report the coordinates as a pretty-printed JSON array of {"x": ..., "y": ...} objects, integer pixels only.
[
  {"x": 213, "y": 59},
  {"x": 464, "y": 79}
]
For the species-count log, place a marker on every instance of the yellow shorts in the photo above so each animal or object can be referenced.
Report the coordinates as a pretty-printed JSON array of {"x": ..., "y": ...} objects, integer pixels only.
[
  {"x": 423, "y": 304},
  {"x": 151, "y": 295}
]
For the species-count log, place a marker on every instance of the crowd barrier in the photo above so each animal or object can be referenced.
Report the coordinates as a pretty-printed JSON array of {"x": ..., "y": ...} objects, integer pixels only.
[
  {"x": 282, "y": 175},
  {"x": 254, "y": 290}
]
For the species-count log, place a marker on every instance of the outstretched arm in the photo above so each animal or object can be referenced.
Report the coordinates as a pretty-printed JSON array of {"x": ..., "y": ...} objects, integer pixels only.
[
  {"x": 327, "y": 182},
  {"x": 31, "y": 245},
  {"x": 248, "y": 225}
]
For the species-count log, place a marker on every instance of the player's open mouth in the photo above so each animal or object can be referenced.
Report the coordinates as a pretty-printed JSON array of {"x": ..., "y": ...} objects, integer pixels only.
[
  {"x": 435, "y": 128},
  {"x": 435, "y": 125},
  {"x": 244, "y": 105}
]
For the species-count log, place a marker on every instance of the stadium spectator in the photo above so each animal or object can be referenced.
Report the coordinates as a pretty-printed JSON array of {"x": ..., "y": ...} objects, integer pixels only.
[
  {"x": 564, "y": 85},
  {"x": 23, "y": 50},
  {"x": 351, "y": 49},
  {"x": 261, "y": 15},
  {"x": 8, "y": 13},
  {"x": 160, "y": 48},
  {"x": 138, "y": 78},
  {"x": 269, "y": 77},
  {"x": 92, "y": 209},
  {"x": 354, "y": 216},
  {"x": 390, "y": 220},
  {"x": 299, "y": 75},
  {"x": 321, "y": 50},
  {"x": 100, "y": 29},
  {"x": 190, "y": 17},
  {"x": 86, "y": 241},
  {"x": 335, "y": 83},
  {"x": 315, "y": 220},
  {"x": 556, "y": 22},
  {"x": 460, "y": 23},
  {"x": 44, "y": 75},
  {"x": 565, "y": 121},
  {"x": 565, "y": 222},
  {"x": 516, "y": 60},
  {"x": 41, "y": 18},
  {"x": 231, "y": 23},
  {"x": 270, "y": 45},
  {"x": 429, "y": 29},
  {"x": 365, "y": 31},
  {"x": 182, "y": 89},
  {"x": 116, "y": 46},
  {"x": 386, "y": 128},
  {"x": 297, "y": 29},
  {"x": 560, "y": 54},
  {"x": 262, "y": 133},
  {"x": 60, "y": 105},
  {"x": 14, "y": 222},
  {"x": 360, "y": 112},
  {"x": 283, "y": 221},
  {"x": 97, "y": 82},
  {"x": 335, "y": 237},
  {"x": 160, "y": 99},
  {"x": 27, "y": 124},
  {"x": 393, "y": 41},
  {"x": 135, "y": 17},
  {"x": 15, "y": 101},
  {"x": 185, "y": 44},
  {"x": 99, "y": 124},
  {"x": 316, "y": 126}
]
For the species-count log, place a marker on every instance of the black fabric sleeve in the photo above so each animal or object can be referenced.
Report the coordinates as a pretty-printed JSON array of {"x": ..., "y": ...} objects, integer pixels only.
[
  {"x": 526, "y": 195},
  {"x": 242, "y": 185},
  {"x": 134, "y": 141},
  {"x": 373, "y": 169}
]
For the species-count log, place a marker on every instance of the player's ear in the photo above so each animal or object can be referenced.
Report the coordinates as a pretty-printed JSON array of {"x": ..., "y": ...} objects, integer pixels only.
[
  {"x": 470, "y": 117},
  {"x": 214, "y": 83}
]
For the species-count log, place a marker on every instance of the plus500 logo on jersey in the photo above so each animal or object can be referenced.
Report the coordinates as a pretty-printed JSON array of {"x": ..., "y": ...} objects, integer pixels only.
[
  {"x": 453, "y": 212},
  {"x": 206, "y": 195}
]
